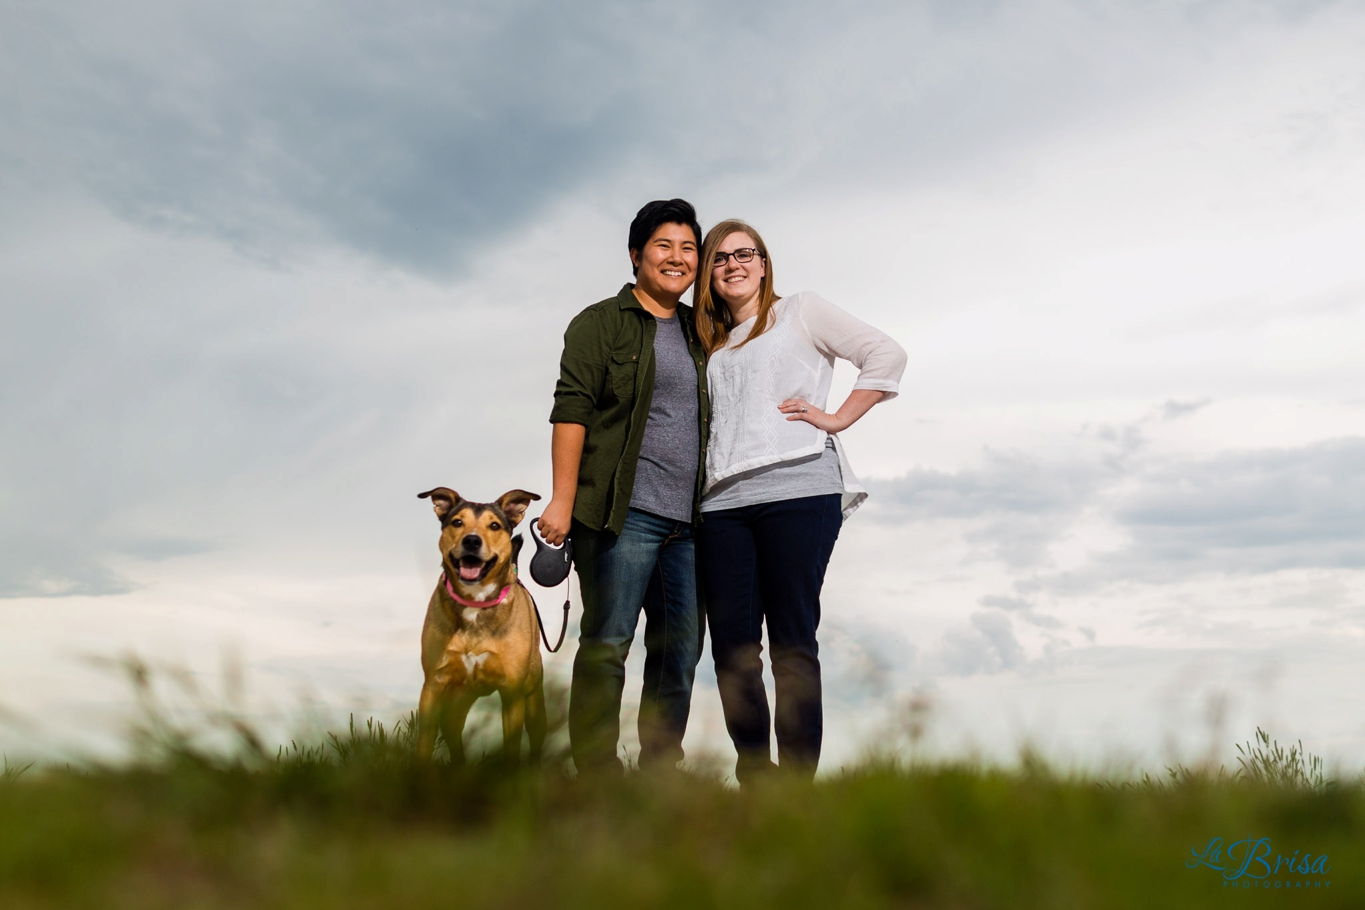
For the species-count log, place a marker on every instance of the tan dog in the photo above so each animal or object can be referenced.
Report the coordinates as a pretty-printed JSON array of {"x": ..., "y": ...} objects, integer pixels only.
[{"x": 480, "y": 633}]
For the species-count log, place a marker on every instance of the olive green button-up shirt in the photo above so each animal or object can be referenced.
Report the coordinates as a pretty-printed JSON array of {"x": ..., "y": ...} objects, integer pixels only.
[{"x": 606, "y": 383}]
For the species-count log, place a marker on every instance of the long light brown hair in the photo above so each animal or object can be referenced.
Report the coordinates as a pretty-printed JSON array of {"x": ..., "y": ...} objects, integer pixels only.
[{"x": 714, "y": 321}]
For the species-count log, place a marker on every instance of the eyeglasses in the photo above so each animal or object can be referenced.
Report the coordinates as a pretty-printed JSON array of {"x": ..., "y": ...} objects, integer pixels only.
[{"x": 746, "y": 254}]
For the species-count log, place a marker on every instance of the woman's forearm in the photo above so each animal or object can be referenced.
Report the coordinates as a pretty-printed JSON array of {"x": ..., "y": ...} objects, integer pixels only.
[
  {"x": 566, "y": 455},
  {"x": 858, "y": 403}
]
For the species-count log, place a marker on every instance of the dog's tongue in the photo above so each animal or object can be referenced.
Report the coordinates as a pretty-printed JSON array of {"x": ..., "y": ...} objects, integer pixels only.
[{"x": 470, "y": 573}]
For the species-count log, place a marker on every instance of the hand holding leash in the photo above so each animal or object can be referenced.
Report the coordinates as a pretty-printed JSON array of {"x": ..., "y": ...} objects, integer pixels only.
[
  {"x": 549, "y": 569},
  {"x": 554, "y": 522}
]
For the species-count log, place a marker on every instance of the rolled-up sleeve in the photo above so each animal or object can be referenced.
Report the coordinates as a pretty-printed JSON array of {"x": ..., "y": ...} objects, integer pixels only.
[
  {"x": 582, "y": 367},
  {"x": 879, "y": 359}
]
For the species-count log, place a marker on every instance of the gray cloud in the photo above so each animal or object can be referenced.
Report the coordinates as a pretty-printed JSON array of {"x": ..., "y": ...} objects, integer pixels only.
[
  {"x": 142, "y": 422},
  {"x": 416, "y": 134},
  {"x": 1240, "y": 512},
  {"x": 987, "y": 645},
  {"x": 1245, "y": 513},
  {"x": 45, "y": 567},
  {"x": 1250, "y": 499},
  {"x": 1174, "y": 410},
  {"x": 405, "y": 134},
  {"x": 1023, "y": 609},
  {"x": 1005, "y": 483},
  {"x": 49, "y": 564},
  {"x": 1020, "y": 504},
  {"x": 863, "y": 661}
]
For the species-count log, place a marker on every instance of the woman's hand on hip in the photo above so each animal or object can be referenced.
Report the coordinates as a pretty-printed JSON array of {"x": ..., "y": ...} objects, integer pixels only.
[
  {"x": 800, "y": 409},
  {"x": 858, "y": 403}
]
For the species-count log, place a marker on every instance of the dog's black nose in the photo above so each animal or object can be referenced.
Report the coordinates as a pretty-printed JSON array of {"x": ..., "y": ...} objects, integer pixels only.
[{"x": 472, "y": 543}]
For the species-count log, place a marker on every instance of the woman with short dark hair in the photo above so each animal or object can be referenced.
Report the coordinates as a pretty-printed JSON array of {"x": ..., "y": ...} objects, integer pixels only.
[
  {"x": 777, "y": 486},
  {"x": 627, "y": 451}
]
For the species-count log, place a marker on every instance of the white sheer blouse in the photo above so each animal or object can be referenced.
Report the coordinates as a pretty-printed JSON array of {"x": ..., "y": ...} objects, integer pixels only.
[{"x": 794, "y": 358}]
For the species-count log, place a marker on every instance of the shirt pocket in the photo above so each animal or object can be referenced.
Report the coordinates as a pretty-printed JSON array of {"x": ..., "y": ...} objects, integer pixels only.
[{"x": 622, "y": 370}]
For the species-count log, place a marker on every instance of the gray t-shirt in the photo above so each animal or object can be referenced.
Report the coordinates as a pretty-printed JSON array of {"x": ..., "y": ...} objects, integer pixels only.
[
  {"x": 666, "y": 475},
  {"x": 813, "y": 475}
]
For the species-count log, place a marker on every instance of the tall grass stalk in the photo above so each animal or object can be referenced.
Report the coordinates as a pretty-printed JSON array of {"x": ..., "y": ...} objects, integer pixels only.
[
  {"x": 1268, "y": 762},
  {"x": 10, "y": 772}
]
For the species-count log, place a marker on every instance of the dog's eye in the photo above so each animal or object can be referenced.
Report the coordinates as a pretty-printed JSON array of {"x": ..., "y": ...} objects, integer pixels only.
[
  {"x": 456, "y": 523},
  {"x": 495, "y": 527}
]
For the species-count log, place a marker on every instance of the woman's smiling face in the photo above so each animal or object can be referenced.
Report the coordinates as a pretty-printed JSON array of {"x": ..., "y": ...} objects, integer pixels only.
[
  {"x": 735, "y": 282},
  {"x": 668, "y": 263}
]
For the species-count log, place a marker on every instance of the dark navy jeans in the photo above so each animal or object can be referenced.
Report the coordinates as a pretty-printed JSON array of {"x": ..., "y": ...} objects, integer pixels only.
[
  {"x": 766, "y": 563},
  {"x": 651, "y": 565}
]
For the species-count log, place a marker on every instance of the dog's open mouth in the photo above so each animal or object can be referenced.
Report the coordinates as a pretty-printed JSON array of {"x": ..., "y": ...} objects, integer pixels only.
[{"x": 473, "y": 569}]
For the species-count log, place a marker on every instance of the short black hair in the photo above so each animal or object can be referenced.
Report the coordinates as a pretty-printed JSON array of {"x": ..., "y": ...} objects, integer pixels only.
[{"x": 661, "y": 211}]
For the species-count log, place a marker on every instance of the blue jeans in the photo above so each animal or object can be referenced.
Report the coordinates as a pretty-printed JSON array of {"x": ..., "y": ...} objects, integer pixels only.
[
  {"x": 766, "y": 563},
  {"x": 651, "y": 564}
]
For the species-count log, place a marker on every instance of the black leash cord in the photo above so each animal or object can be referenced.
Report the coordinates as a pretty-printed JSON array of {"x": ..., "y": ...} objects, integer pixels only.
[{"x": 540, "y": 622}]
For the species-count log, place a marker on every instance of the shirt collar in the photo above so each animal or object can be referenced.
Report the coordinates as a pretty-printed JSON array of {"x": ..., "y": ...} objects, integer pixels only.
[{"x": 627, "y": 300}]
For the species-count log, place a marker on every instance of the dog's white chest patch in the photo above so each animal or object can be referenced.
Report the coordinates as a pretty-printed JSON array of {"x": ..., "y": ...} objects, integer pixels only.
[
  {"x": 472, "y": 661},
  {"x": 470, "y": 614}
]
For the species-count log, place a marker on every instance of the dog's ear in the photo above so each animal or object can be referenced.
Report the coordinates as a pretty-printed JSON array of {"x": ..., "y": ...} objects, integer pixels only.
[
  {"x": 514, "y": 503},
  {"x": 443, "y": 499}
]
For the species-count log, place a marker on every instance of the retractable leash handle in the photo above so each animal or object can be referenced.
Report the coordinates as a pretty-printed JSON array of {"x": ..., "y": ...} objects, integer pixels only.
[
  {"x": 549, "y": 569},
  {"x": 550, "y": 565}
]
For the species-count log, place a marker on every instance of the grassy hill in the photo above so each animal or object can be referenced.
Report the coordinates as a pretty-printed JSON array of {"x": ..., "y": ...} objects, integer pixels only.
[{"x": 352, "y": 822}]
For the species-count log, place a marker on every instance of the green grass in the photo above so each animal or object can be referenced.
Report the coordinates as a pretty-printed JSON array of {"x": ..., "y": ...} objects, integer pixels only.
[{"x": 351, "y": 821}]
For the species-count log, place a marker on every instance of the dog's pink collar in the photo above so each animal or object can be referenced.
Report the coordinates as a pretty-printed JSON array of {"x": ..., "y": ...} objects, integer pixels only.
[{"x": 476, "y": 604}]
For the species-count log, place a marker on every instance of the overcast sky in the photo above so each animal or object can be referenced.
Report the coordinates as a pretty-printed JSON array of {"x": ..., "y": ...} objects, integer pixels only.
[{"x": 267, "y": 270}]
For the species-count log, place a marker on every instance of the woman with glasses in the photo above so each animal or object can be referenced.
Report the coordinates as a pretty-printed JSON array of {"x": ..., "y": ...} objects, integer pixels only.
[{"x": 777, "y": 487}]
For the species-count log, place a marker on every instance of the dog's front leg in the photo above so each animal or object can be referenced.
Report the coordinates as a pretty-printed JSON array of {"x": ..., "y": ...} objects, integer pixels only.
[
  {"x": 513, "y": 720},
  {"x": 452, "y": 723},
  {"x": 428, "y": 719},
  {"x": 535, "y": 722}
]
